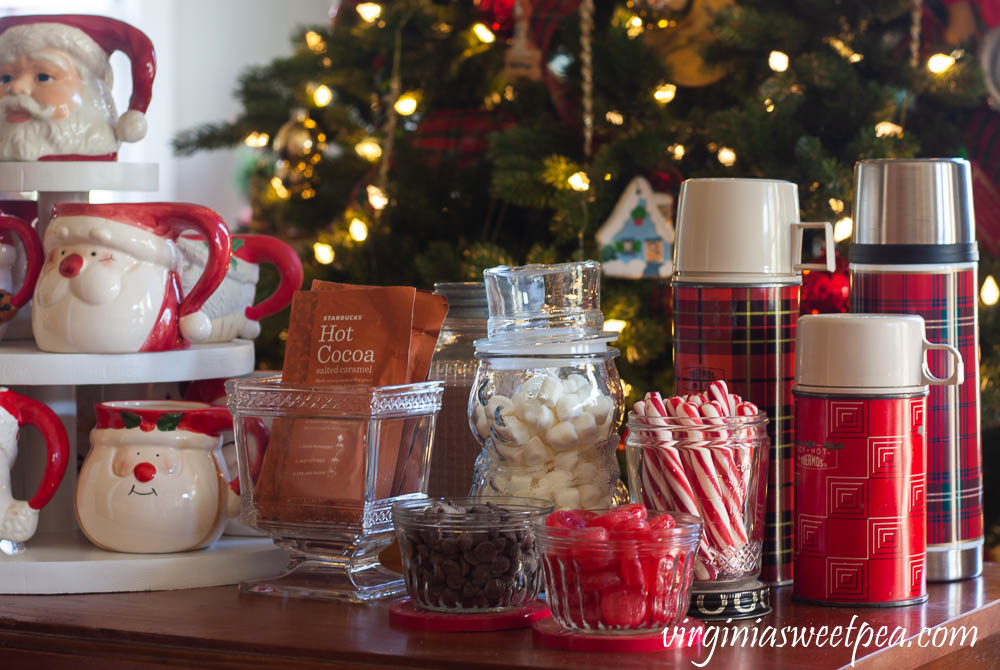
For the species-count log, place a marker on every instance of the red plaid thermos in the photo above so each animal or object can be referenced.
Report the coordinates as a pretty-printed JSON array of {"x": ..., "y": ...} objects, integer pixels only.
[
  {"x": 736, "y": 301},
  {"x": 860, "y": 455},
  {"x": 914, "y": 251}
]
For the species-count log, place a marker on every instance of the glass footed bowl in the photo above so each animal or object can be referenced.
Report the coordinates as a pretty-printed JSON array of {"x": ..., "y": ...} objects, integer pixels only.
[{"x": 324, "y": 487}]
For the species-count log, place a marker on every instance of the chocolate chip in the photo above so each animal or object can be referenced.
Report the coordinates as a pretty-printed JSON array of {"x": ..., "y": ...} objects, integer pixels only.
[
  {"x": 456, "y": 581},
  {"x": 470, "y": 557},
  {"x": 481, "y": 573},
  {"x": 485, "y": 552},
  {"x": 500, "y": 565},
  {"x": 449, "y": 545},
  {"x": 465, "y": 541}
]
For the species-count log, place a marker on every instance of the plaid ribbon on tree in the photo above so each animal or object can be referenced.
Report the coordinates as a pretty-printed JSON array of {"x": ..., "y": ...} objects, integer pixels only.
[
  {"x": 745, "y": 335},
  {"x": 458, "y": 134},
  {"x": 948, "y": 303}
]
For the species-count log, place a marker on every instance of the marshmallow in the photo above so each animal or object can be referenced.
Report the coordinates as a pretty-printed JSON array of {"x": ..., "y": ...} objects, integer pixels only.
[
  {"x": 512, "y": 454},
  {"x": 601, "y": 407},
  {"x": 568, "y": 407},
  {"x": 522, "y": 402},
  {"x": 550, "y": 391},
  {"x": 588, "y": 471},
  {"x": 567, "y": 460},
  {"x": 513, "y": 429},
  {"x": 482, "y": 424},
  {"x": 519, "y": 484},
  {"x": 576, "y": 383},
  {"x": 536, "y": 452},
  {"x": 562, "y": 436},
  {"x": 592, "y": 496},
  {"x": 567, "y": 498},
  {"x": 539, "y": 417},
  {"x": 556, "y": 480},
  {"x": 532, "y": 385},
  {"x": 586, "y": 427},
  {"x": 501, "y": 402}
]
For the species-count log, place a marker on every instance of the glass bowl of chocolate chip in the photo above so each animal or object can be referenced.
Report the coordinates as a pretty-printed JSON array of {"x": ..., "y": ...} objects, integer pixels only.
[{"x": 470, "y": 554}]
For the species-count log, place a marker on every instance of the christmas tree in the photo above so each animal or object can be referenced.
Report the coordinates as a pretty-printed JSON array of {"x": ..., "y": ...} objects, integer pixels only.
[{"x": 421, "y": 141}]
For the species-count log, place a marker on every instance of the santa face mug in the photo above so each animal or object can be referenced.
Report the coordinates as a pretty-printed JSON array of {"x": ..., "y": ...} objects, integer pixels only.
[
  {"x": 55, "y": 87},
  {"x": 154, "y": 480},
  {"x": 111, "y": 278},
  {"x": 231, "y": 307},
  {"x": 19, "y": 518}
]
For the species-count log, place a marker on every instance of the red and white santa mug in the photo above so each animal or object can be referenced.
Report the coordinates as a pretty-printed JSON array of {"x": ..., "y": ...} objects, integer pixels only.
[
  {"x": 155, "y": 480},
  {"x": 231, "y": 307},
  {"x": 111, "y": 278},
  {"x": 55, "y": 90},
  {"x": 860, "y": 391},
  {"x": 19, "y": 518}
]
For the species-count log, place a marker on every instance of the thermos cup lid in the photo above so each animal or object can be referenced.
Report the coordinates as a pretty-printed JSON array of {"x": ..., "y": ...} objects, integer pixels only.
[
  {"x": 913, "y": 210},
  {"x": 741, "y": 231},
  {"x": 868, "y": 354}
]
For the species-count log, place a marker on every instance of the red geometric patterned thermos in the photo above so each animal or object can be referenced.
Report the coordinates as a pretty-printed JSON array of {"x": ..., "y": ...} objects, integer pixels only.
[
  {"x": 914, "y": 252},
  {"x": 737, "y": 278},
  {"x": 860, "y": 456}
]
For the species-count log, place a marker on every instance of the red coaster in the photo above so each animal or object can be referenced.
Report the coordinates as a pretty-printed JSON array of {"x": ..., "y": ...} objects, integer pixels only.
[
  {"x": 684, "y": 635},
  {"x": 405, "y": 613}
]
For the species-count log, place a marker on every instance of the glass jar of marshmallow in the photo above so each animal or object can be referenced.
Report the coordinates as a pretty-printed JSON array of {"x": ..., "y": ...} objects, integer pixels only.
[{"x": 547, "y": 399}]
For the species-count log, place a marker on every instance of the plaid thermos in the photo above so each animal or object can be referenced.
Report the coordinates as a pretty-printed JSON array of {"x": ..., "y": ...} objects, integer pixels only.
[
  {"x": 914, "y": 251},
  {"x": 736, "y": 291}
]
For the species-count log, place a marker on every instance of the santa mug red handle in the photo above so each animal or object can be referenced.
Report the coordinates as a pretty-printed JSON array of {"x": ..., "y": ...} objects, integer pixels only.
[
  {"x": 18, "y": 519},
  {"x": 110, "y": 282},
  {"x": 266, "y": 249},
  {"x": 34, "y": 257}
]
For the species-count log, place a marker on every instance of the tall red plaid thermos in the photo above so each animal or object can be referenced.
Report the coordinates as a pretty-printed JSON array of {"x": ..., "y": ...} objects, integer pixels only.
[
  {"x": 860, "y": 480},
  {"x": 736, "y": 301},
  {"x": 914, "y": 251}
]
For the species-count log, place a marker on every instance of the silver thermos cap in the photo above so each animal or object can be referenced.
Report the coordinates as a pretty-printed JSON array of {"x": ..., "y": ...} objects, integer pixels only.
[{"x": 910, "y": 203}]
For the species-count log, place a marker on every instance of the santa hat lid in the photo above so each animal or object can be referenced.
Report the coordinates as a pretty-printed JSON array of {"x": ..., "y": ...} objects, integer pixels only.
[{"x": 111, "y": 35}]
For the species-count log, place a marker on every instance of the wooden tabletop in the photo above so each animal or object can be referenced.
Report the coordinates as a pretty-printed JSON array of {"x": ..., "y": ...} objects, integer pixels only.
[{"x": 220, "y": 628}]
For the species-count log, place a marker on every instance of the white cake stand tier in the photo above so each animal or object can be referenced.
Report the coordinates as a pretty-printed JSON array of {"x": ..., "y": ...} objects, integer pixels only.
[
  {"x": 61, "y": 563},
  {"x": 58, "y": 559}
]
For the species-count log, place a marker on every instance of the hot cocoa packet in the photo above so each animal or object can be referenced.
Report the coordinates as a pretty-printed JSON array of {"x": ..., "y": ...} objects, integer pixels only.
[
  {"x": 398, "y": 470},
  {"x": 429, "y": 311},
  {"x": 353, "y": 338}
]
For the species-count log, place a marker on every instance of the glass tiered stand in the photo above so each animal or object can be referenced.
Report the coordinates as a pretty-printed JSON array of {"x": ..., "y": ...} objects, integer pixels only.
[{"x": 58, "y": 558}]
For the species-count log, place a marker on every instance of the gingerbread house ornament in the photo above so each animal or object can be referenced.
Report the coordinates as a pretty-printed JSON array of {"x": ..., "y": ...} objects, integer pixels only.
[{"x": 637, "y": 240}]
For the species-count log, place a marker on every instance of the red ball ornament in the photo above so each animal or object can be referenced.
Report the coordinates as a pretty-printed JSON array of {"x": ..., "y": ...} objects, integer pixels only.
[{"x": 825, "y": 292}]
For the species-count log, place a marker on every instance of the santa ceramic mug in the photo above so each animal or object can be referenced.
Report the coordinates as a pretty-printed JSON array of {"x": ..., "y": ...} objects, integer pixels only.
[
  {"x": 55, "y": 87},
  {"x": 111, "y": 278},
  {"x": 19, "y": 518},
  {"x": 13, "y": 228},
  {"x": 231, "y": 307},
  {"x": 154, "y": 480}
]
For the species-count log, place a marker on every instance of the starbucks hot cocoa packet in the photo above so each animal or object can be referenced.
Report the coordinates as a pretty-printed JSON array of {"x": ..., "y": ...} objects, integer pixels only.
[
  {"x": 429, "y": 310},
  {"x": 343, "y": 336}
]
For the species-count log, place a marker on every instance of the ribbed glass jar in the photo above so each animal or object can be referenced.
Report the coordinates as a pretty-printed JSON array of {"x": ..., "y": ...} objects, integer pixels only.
[
  {"x": 453, "y": 456},
  {"x": 716, "y": 470}
]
